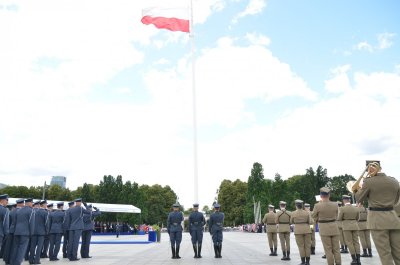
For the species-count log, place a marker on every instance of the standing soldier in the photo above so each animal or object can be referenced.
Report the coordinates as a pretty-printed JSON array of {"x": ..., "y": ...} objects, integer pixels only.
[
  {"x": 88, "y": 222},
  {"x": 56, "y": 219},
  {"x": 363, "y": 232},
  {"x": 174, "y": 227},
  {"x": 10, "y": 237},
  {"x": 46, "y": 243},
  {"x": 302, "y": 231},
  {"x": 216, "y": 227},
  {"x": 40, "y": 230},
  {"x": 196, "y": 227},
  {"x": 283, "y": 221},
  {"x": 325, "y": 214},
  {"x": 349, "y": 215},
  {"x": 4, "y": 219},
  {"x": 269, "y": 221},
  {"x": 382, "y": 193},
  {"x": 74, "y": 224},
  {"x": 343, "y": 246},
  {"x": 307, "y": 208},
  {"x": 65, "y": 228}
]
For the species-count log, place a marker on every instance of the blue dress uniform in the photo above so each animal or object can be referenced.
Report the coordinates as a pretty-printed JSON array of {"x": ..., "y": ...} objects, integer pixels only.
[
  {"x": 74, "y": 224},
  {"x": 216, "y": 227},
  {"x": 10, "y": 238},
  {"x": 39, "y": 231},
  {"x": 196, "y": 227},
  {"x": 65, "y": 231},
  {"x": 56, "y": 219},
  {"x": 46, "y": 243},
  {"x": 174, "y": 227},
  {"x": 24, "y": 226},
  {"x": 88, "y": 227},
  {"x": 4, "y": 219}
]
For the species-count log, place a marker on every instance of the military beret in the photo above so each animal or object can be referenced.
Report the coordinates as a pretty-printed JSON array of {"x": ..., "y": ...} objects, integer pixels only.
[
  {"x": 59, "y": 204},
  {"x": 4, "y": 197},
  {"x": 19, "y": 201},
  {"x": 324, "y": 191},
  {"x": 282, "y": 203},
  {"x": 176, "y": 205},
  {"x": 78, "y": 200},
  {"x": 195, "y": 205},
  {"x": 346, "y": 197},
  {"x": 217, "y": 205},
  {"x": 271, "y": 206},
  {"x": 43, "y": 202},
  {"x": 71, "y": 203},
  {"x": 49, "y": 205},
  {"x": 307, "y": 205},
  {"x": 29, "y": 200}
]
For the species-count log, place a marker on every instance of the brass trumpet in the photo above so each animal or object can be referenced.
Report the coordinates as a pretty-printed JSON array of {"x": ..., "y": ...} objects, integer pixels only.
[{"x": 353, "y": 186}]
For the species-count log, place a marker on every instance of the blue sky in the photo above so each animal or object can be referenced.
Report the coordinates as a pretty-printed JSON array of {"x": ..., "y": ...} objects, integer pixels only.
[{"x": 289, "y": 84}]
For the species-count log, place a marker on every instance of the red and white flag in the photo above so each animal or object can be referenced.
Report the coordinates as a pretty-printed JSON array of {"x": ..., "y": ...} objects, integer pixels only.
[{"x": 175, "y": 19}]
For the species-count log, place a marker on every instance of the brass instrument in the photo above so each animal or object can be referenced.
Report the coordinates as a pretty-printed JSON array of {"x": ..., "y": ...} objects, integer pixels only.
[{"x": 353, "y": 186}]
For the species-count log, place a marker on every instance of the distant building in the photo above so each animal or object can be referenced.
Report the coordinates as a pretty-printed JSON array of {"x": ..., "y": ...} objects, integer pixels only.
[
  {"x": 58, "y": 180},
  {"x": 2, "y": 186}
]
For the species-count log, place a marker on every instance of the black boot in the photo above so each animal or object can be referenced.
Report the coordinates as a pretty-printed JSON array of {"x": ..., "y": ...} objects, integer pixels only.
[
  {"x": 284, "y": 255},
  {"x": 353, "y": 260},
  {"x": 312, "y": 250},
  {"x": 216, "y": 250},
  {"x": 364, "y": 254},
  {"x": 219, "y": 250},
  {"x": 199, "y": 251},
  {"x": 287, "y": 255},
  {"x": 272, "y": 252},
  {"x": 177, "y": 252},
  {"x": 358, "y": 259},
  {"x": 195, "y": 251},
  {"x": 307, "y": 260},
  {"x": 303, "y": 261},
  {"x": 275, "y": 254},
  {"x": 370, "y": 253},
  {"x": 324, "y": 256},
  {"x": 173, "y": 252},
  {"x": 345, "y": 249}
]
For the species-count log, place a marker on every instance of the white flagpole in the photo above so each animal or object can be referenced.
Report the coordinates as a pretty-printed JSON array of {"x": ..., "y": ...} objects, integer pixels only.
[{"x": 195, "y": 177}]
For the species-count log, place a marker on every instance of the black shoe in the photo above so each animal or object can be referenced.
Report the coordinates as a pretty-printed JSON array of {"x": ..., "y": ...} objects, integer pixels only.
[
  {"x": 173, "y": 252},
  {"x": 358, "y": 259},
  {"x": 364, "y": 254},
  {"x": 369, "y": 253},
  {"x": 324, "y": 257},
  {"x": 199, "y": 251},
  {"x": 303, "y": 261},
  {"x": 353, "y": 260},
  {"x": 312, "y": 250},
  {"x": 195, "y": 251},
  {"x": 275, "y": 254},
  {"x": 287, "y": 255},
  {"x": 219, "y": 250},
  {"x": 272, "y": 252},
  {"x": 177, "y": 252},
  {"x": 216, "y": 251},
  {"x": 284, "y": 255},
  {"x": 307, "y": 260}
]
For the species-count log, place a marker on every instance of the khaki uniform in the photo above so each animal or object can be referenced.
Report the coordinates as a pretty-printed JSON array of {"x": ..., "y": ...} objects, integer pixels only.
[
  {"x": 272, "y": 231},
  {"x": 397, "y": 209},
  {"x": 341, "y": 237},
  {"x": 302, "y": 231},
  {"x": 363, "y": 231},
  {"x": 312, "y": 226},
  {"x": 325, "y": 214},
  {"x": 382, "y": 193},
  {"x": 349, "y": 215},
  {"x": 283, "y": 220}
]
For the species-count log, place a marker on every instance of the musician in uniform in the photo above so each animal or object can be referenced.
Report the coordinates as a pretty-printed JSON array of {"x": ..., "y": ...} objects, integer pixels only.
[
  {"x": 174, "y": 228},
  {"x": 269, "y": 221},
  {"x": 325, "y": 214},
  {"x": 349, "y": 215},
  {"x": 343, "y": 246},
  {"x": 382, "y": 193},
  {"x": 302, "y": 231},
  {"x": 216, "y": 226},
  {"x": 283, "y": 221},
  {"x": 312, "y": 226},
  {"x": 4, "y": 219},
  {"x": 363, "y": 231},
  {"x": 56, "y": 219},
  {"x": 196, "y": 227}
]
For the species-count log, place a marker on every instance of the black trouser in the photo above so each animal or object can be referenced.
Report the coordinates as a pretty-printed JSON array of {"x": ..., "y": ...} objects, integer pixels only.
[
  {"x": 45, "y": 248},
  {"x": 86, "y": 237},
  {"x": 65, "y": 244},
  {"x": 73, "y": 243},
  {"x": 54, "y": 246},
  {"x": 35, "y": 249}
]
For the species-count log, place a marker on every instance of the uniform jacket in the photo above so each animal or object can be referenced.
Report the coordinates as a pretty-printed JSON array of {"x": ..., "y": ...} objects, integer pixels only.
[
  {"x": 4, "y": 221},
  {"x": 74, "y": 218},
  {"x": 381, "y": 191},
  {"x": 325, "y": 214},
  {"x": 88, "y": 219},
  {"x": 269, "y": 221},
  {"x": 282, "y": 218},
  {"x": 339, "y": 222},
  {"x": 24, "y": 221},
  {"x": 397, "y": 209},
  {"x": 349, "y": 215},
  {"x": 41, "y": 222},
  {"x": 302, "y": 221},
  {"x": 174, "y": 222},
  {"x": 56, "y": 219},
  {"x": 13, "y": 214},
  {"x": 216, "y": 222},
  {"x": 362, "y": 219},
  {"x": 196, "y": 221}
]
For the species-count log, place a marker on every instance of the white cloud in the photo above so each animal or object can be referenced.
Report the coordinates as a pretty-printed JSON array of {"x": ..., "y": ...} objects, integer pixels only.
[
  {"x": 340, "y": 81},
  {"x": 364, "y": 46},
  {"x": 254, "y": 7},
  {"x": 384, "y": 41},
  {"x": 258, "y": 39}
]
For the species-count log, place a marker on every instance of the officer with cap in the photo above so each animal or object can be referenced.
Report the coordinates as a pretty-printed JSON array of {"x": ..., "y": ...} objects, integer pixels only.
[
  {"x": 24, "y": 227},
  {"x": 216, "y": 226},
  {"x": 88, "y": 227},
  {"x": 307, "y": 208},
  {"x": 74, "y": 224},
  {"x": 39, "y": 231},
  {"x": 174, "y": 228},
  {"x": 4, "y": 218},
  {"x": 382, "y": 193},
  {"x": 363, "y": 231},
  {"x": 56, "y": 219},
  {"x": 269, "y": 221},
  {"x": 343, "y": 246},
  {"x": 46, "y": 243},
  {"x": 66, "y": 232},
  {"x": 283, "y": 221},
  {"x": 325, "y": 214},
  {"x": 302, "y": 231},
  {"x": 349, "y": 216},
  {"x": 196, "y": 227},
  {"x": 10, "y": 238}
]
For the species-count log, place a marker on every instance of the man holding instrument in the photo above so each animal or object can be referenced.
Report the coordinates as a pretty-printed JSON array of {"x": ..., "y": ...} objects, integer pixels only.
[{"x": 382, "y": 193}]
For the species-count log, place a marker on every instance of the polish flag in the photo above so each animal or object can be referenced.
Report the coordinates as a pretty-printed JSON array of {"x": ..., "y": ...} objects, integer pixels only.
[{"x": 175, "y": 19}]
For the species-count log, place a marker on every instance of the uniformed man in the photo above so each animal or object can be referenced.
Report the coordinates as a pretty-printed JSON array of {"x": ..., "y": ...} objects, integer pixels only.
[
  {"x": 39, "y": 232},
  {"x": 56, "y": 219},
  {"x": 382, "y": 193},
  {"x": 307, "y": 208},
  {"x": 269, "y": 221},
  {"x": 343, "y": 246},
  {"x": 174, "y": 228},
  {"x": 46, "y": 243},
  {"x": 24, "y": 226},
  {"x": 282, "y": 219},
  {"x": 216, "y": 227},
  {"x": 74, "y": 224},
  {"x": 349, "y": 216},
  {"x": 196, "y": 228},
  {"x": 66, "y": 232},
  {"x": 4, "y": 219},
  {"x": 325, "y": 214},
  {"x": 302, "y": 231},
  {"x": 10, "y": 238},
  {"x": 88, "y": 222},
  {"x": 363, "y": 232},
  {"x": 397, "y": 209}
]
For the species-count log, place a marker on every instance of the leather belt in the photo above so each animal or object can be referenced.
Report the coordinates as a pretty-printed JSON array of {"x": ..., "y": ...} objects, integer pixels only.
[
  {"x": 283, "y": 223},
  {"x": 326, "y": 221},
  {"x": 381, "y": 209},
  {"x": 301, "y": 223},
  {"x": 362, "y": 221},
  {"x": 271, "y": 223},
  {"x": 349, "y": 219}
]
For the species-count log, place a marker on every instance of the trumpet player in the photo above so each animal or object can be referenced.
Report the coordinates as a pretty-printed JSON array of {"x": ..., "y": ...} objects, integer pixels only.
[{"x": 382, "y": 193}]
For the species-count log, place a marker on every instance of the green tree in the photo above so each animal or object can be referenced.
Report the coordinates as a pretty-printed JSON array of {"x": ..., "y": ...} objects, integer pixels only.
[
  {"x": 255, "y": 185},
  {"x": 337, "y": 185},
  {"x": 232, "y": 197}
]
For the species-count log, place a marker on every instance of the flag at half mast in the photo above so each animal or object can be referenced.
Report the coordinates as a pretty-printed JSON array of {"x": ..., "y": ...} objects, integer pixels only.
[{"x": 174, "y": 19}]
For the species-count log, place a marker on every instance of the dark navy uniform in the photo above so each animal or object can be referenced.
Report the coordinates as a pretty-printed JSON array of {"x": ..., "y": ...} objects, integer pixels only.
[
  {"x": 4, "y": 219},
  {"x": 10, "y": 237},
  {"x": 46, "y": 243},
  {"x": 174, "y": 227},
  {"x": 88, "y": 222},
  {"x": 74, "y": 224},
  {"x": 56, "y": 230},
  {"x": 39, "y": 231},
  {"x": 65, "y": 229},
  {"x": 216, "y": 226},
  {"x": 196, "y": 227}
]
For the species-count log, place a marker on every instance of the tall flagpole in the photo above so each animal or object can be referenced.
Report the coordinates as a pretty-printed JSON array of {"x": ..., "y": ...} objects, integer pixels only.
[{"x": 195, "y": 176}]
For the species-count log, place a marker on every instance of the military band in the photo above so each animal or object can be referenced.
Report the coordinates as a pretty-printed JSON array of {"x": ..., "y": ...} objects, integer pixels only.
[
  {"x": 363, "y": 232},
  {"x": 307, "y": 207},
  {"x": 301, "y": 220}
]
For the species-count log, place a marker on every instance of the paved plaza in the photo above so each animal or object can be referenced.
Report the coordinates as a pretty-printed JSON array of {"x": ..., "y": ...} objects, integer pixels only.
[{"x": 238, "y": 248}]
